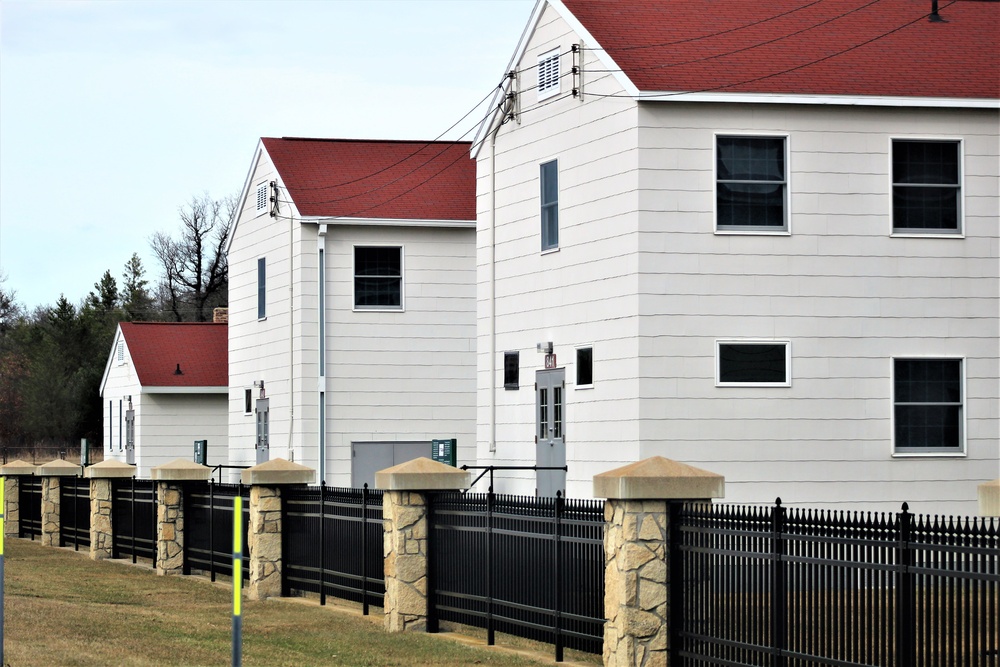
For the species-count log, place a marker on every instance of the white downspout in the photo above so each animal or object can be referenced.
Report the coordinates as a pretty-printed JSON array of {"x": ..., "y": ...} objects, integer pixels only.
[
  {"x": 291, "y": 335},
  {"x": 493, "y": 290},
  {"x": 321, "y": 313}
]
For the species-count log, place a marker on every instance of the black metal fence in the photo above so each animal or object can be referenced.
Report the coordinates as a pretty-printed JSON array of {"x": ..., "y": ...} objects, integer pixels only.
[
  {"x": 772, "y": 586},
  {"x": 530, "y": 567},
  {"x": 74, "y": 512},
  {"x": 29, "y": 499},
  {"x": 208, "y": 527},
  {"x": 133, "y": 519},
  {"x": 332, "y": 543}
]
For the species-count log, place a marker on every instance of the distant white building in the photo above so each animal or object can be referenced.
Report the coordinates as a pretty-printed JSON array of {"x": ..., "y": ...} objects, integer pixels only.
[
  {"x": 758, "y": 238},
  {"x": 352, "y": 305},
  {"x": 165, "y": 386}
]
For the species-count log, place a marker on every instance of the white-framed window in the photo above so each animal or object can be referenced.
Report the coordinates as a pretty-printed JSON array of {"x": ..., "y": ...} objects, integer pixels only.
[
  {"x": 926, "y": 186},
  {"x": 548, "y": 74},
  {"x": 261, "y": 198},
  {"x": 584, "y": 367},
  {"x": 261, "y": 288},
  {"x": 751, "y": 184},
  {"x": 512, "y": 370},
  {"x": 753, "y": 363},
  {"x": 378, "y": 278},
  {"x": 928, "y": 405},
  {"x": 548, "y": 180}
]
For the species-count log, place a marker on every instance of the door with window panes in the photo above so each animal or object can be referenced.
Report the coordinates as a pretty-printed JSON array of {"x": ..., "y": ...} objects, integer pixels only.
[
  {"x": 550, "y": 444},
  {"x": 263, "y": 445}
]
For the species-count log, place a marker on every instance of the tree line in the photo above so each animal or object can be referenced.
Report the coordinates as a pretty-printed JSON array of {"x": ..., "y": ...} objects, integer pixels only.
[{"x": 52, "y": 358}]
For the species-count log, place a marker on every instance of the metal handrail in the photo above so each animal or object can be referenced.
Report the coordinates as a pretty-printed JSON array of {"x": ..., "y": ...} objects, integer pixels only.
[{"x": 490, "y": 469}]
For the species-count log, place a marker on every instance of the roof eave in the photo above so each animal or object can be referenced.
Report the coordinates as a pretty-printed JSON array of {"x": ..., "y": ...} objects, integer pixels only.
[
  {"x": 835, "y": 100},
  {"x": 385, "y": 222},
  {"x": 185, "y": 390}
]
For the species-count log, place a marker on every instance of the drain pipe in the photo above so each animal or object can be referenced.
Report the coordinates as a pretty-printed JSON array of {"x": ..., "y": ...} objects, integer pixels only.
[{"x": 493, "y": 289}]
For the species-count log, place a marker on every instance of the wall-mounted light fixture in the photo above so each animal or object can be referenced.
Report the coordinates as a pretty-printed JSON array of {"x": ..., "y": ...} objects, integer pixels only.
[
  {"x": 544, "y": 348},
  {"x": 260, "y": 385}
]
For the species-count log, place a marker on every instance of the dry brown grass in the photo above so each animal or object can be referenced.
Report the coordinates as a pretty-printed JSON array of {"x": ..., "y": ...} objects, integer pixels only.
[{"x": 64, "y": 609}]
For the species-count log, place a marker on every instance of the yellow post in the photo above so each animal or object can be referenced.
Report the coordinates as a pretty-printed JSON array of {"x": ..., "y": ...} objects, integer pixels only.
[
  {"x": 237, "y": 581},
  {"x": 3, "y": 507}
]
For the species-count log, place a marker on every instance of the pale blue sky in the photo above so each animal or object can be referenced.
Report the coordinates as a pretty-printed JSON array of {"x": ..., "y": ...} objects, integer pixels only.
[{"x": 113, "y": 114}]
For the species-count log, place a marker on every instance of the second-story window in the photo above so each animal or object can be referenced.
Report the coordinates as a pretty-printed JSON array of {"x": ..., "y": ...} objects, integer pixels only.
[
  {"x": 751, "y": 184},
  {"x": 378, "y": 278},
  {"x": 926, "y": 189},
  {"x": 549, "y": 180},
  {"x": 261, "y": 288}
]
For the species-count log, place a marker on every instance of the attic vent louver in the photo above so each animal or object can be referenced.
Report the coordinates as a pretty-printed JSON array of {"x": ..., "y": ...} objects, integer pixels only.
[
  {"x": 548, "y": 74},
  {"x": 262, "y": 198}
]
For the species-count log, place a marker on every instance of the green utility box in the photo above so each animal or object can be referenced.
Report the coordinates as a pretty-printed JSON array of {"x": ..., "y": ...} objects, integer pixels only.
[{"x": 444, "y": 450}]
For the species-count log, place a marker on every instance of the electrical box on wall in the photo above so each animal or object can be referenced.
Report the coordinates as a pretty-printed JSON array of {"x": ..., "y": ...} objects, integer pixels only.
[
  {"x": 201, "y": 452},
  {"x": 444, "y": 450}
]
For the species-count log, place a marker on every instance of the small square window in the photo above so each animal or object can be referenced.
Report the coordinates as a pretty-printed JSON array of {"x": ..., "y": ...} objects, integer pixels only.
[
  {"x": 751, "y": 184},
  {"x": 511, "y": 370},
  {"x": 378, "y": 278},
  {"x": 248, "y": 401},
  {"x": 548, "y": 74},
  {"x": 584, "y": 367},
  {"x": 926, "y": 189},
  {"x": 753, "y": 364},
  {"x": 549, "y": 182},
  {"x": 928, "y": 406},
  {"x": 261, "y": 198}
]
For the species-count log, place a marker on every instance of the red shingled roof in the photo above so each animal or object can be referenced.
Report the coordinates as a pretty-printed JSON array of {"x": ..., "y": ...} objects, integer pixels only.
[
  {"x": 831, "y": 47},
  {"x": 377, "y": 179},
  {"x": 201, "y": 349}
]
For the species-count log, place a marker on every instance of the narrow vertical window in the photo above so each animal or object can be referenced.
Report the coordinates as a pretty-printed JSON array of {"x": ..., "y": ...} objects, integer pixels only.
[
  {"x": 549, "y": 180},
  {"x": 261, "y": 289},
  {"x": 247, "y": 401},
  {"x": 584, "y": 367},
  {"x": 511, "y": 370}
]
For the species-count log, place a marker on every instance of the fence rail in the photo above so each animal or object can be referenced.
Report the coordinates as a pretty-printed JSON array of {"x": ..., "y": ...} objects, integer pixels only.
[
  {"x": 208, "y": 527},
  {"x": 74, "y": 512},
  {"x": 771, "y": 586},
  {"x": 133, "y": 519},
  {"x": 30, "y": 503},
  {"x": 332, "y": 543},
  {"x": 531, "y": 567}
]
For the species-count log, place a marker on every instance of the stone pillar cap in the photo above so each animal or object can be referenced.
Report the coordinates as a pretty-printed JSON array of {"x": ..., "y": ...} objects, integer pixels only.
[
  {"x": 60, "y": 468},
  {"x": 657, "y": 478},
  {"x": 422, "y": 474},
  {"x": 108, "y": 469},
  {"x": 278, "y": 471},
  {"x": 18, "y": 467},
  {"x": 181, "y": 470},
  {"x": 989, "y": 498}
]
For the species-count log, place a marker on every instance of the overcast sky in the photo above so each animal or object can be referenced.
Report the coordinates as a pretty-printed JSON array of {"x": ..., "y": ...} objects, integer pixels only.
[{"x": 114, "y": 114}]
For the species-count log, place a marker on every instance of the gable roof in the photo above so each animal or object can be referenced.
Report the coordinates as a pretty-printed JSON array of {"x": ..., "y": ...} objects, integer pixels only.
[
  {"x": 884, "y": 48},
  {"x": 398, "y": 180},
  {"x": 156, "y": 348}
]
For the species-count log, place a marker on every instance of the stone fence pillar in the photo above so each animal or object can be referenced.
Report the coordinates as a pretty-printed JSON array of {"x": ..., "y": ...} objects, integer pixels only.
[
  {"x": 101, "y": 531},
  {"x": 404, "y": 517},
  {"x": 12, "y": 473},
  {"x": 989, "y": 498},
  {"x": 637, "y": 551},
  {"x": 264, "y": 534},
  {"x": 51, "y": 522},
  {"x": 170, "y": 478}
]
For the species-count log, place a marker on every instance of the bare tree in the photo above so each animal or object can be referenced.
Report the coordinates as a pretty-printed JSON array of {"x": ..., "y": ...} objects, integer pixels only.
[{"x": 194, "y": 265}]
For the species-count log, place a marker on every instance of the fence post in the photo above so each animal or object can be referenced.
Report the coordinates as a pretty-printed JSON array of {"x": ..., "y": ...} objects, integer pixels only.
[
  {"x": 779, "y": 585},
  {"x": 638, "y": 554},
  {"x": 264, "y": 536},
  {"x": 905, "y": 635},
  {"x": 170, "y": 478},
  {"x": 12, "y": 472},
  {"x": 101, "y": 528},
  {"x": 406, "y": 546},
  {"x": 51, "y": 520}
]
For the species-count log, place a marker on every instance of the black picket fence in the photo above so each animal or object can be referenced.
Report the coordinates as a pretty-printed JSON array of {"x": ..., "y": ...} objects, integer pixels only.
[
  {"x": 29, "y": 498},
  {"x": 772, "y": 586},
  {"x": 332, "y": 544},
  {"x": 74, "y": 512},
  {"x": 133, "y": 519},
  {"x": 529, "y": 567},
  {"x": 208, "y": 527}
]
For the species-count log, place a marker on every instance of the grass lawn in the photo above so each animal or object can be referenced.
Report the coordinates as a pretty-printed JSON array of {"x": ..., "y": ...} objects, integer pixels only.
[{"x": 64, "y": 609}]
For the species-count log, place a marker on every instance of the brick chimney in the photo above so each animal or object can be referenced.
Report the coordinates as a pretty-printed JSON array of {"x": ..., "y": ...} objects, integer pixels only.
[{"x": 220, "y": 316}]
